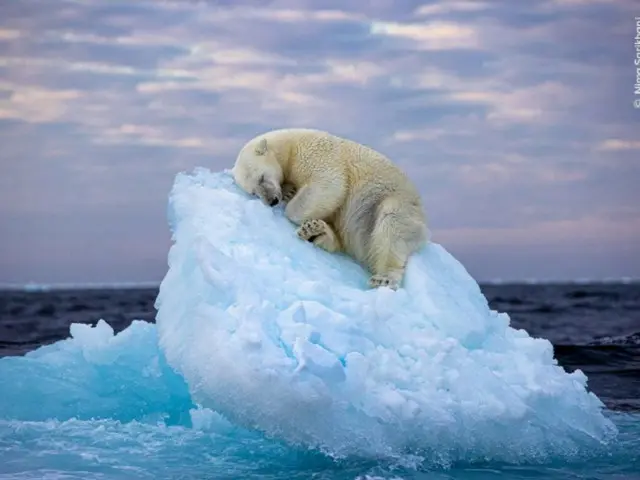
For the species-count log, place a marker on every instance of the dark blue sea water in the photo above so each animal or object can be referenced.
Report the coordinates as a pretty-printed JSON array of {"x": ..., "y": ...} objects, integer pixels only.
[{"x": 84, "y": 416}]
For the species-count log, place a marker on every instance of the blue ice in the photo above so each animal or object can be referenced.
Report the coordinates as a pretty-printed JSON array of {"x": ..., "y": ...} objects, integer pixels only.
[
  {"x": 265, "y": 346},
  {"x": 283, "y": 337}
]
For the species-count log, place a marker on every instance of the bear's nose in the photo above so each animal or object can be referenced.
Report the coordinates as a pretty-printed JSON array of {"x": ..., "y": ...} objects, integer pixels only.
[{"x": 274, "y": 202}]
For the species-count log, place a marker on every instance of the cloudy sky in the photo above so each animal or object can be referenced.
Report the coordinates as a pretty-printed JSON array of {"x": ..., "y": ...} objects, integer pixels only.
[{"x": 515, "y": 118}]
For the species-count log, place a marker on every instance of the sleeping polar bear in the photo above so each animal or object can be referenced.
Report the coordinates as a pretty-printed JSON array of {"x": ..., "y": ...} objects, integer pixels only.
[{"x": 344, "y": 196}]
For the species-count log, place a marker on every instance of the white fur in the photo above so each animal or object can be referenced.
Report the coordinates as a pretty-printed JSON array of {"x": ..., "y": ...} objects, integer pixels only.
[{"x": 343, "y": 195}]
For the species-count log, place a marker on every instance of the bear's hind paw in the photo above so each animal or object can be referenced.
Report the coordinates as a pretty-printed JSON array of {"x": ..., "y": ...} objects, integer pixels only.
[{"x": 383, "y": 281}]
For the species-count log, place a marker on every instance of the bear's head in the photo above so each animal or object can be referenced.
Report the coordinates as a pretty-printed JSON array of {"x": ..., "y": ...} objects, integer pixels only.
[{"x": 258, "y": 172}]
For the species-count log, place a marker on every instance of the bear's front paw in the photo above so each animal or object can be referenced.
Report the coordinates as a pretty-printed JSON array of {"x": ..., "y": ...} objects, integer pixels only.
[
  {"x": 383, "y": 281},
  {"x": 288, "y": 192},
  {"x": 311, "y": 230}
]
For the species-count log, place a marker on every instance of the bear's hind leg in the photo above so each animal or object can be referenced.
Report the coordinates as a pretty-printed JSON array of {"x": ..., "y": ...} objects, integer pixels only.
[
  {"x": 396, "y": 235},
  {"x": 320, "y": 234}
]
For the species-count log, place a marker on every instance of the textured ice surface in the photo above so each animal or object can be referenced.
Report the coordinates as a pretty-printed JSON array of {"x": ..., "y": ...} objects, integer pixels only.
[
  {"x": 106, "y": 406},
  {"x": 95, "y": 375},
  {"x": 280, "y": 336}
]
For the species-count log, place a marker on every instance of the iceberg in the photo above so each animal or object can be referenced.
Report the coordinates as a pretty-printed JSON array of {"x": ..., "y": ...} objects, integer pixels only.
[
  {"x": 281, "y": 337},
  {"x": 95, "y": 375}
]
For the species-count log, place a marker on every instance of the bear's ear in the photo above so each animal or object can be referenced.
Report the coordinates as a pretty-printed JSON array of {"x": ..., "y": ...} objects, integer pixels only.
[{"x": 261, "y": 148}]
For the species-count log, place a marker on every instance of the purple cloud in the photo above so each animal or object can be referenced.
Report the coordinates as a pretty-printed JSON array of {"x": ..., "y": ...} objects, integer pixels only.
[{"x": 515, "y": 120}]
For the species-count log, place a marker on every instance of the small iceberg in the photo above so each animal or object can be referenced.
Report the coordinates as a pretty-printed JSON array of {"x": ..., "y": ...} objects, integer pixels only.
[{"x": 282, "y": 337}]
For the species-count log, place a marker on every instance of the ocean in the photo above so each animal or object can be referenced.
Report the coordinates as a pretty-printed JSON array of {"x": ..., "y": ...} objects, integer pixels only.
[{"x": 593, "y": 327}]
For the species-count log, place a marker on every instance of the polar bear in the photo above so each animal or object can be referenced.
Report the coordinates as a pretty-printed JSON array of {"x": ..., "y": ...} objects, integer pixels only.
[{"x": 344, "y": 197}]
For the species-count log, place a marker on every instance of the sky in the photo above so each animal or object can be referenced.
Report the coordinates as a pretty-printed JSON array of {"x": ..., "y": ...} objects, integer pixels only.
[{"x": 514, "y": 118}]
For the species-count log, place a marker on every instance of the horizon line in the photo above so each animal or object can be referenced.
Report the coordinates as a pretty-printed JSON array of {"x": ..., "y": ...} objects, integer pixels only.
[{"x": 41, "y": 287}]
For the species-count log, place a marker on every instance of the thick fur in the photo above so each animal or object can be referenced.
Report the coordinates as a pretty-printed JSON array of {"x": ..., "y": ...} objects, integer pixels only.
[{"x": 344, "y": 196}]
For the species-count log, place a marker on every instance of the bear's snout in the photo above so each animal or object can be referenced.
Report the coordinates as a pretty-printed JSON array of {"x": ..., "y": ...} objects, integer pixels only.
[
  {"x": 269, "y": 192},
  {"x": 269, "y": 198}
]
